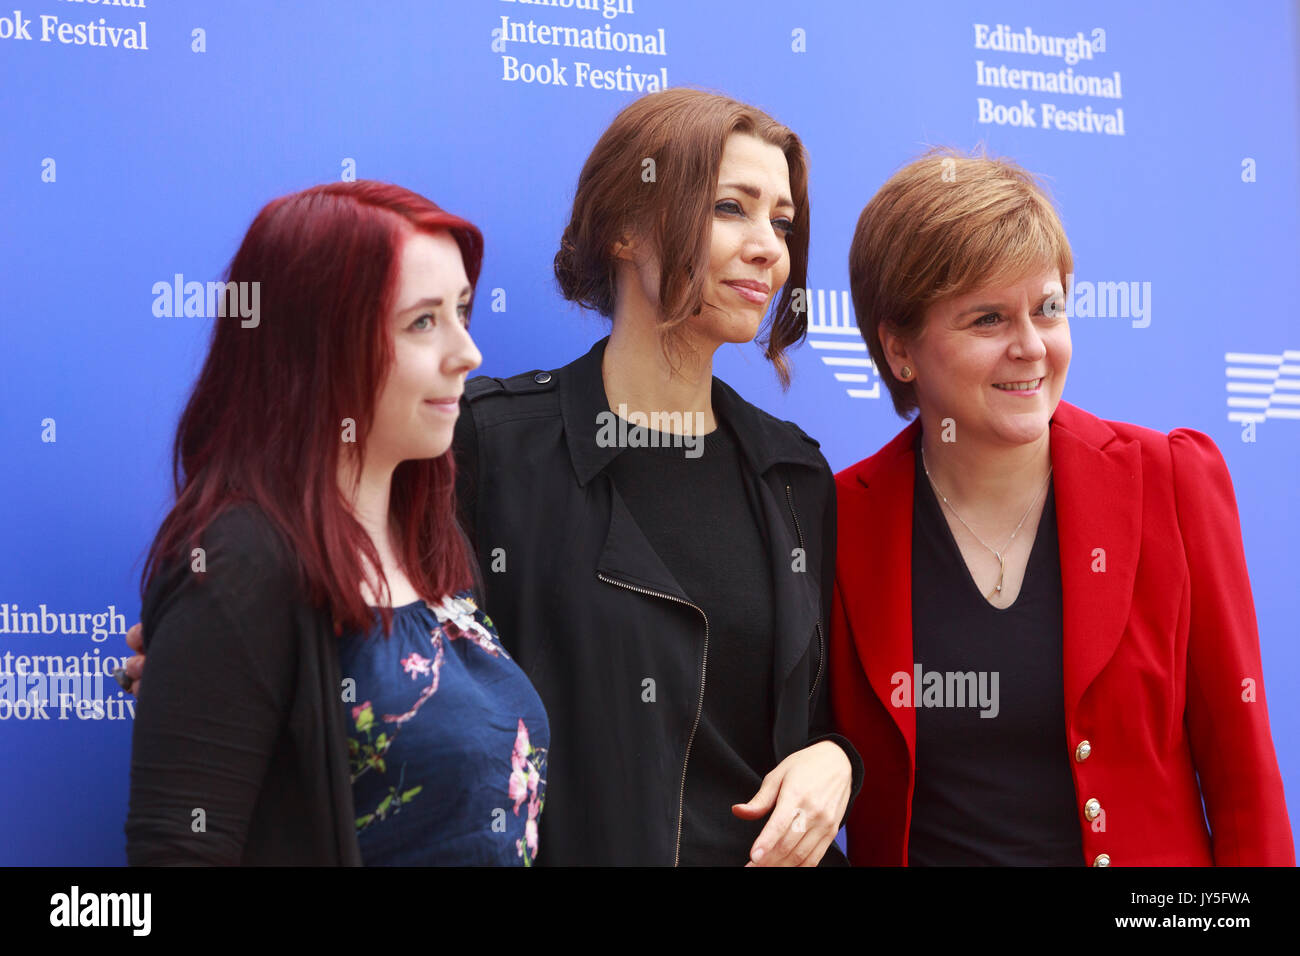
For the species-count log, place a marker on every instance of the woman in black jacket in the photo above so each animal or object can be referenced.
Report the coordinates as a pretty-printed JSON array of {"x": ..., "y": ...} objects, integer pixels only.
[{"x": 658, "y": 551}]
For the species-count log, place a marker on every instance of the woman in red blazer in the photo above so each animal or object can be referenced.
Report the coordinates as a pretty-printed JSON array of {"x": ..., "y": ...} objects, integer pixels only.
[{"x": 1031, "y": 705}]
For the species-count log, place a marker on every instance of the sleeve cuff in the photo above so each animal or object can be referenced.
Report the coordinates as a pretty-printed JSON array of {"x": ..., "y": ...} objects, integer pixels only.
[{"x": 856, "y": 761}]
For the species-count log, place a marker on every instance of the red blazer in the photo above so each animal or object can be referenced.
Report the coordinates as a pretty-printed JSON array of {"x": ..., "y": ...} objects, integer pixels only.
[{"x": 1161, "y": 659}]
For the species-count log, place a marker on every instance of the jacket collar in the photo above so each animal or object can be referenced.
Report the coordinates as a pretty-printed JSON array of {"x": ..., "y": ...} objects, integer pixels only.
[
  {"x": 1098, "y": 485},
  {"x": 764, "y": 441}
]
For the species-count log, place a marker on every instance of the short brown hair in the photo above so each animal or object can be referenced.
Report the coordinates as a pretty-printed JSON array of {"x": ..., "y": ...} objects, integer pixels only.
[
  {"x": 684, "y": 131},
  {"x": 945, "y": 225}
]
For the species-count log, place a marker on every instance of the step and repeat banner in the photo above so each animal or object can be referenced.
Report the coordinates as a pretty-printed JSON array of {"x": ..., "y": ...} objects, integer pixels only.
[{"x": 140, "y": 138}]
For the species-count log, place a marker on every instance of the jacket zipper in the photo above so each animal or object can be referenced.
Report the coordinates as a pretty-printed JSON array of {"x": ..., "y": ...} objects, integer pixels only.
[
  {"x": 699, "y": 709},
  {"x": 821, "y": 653}
]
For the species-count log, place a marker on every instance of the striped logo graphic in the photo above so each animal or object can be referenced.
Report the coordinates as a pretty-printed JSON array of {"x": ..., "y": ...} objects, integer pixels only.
[
  {"x": 1263, "y": 386},
  {"x": 833, "y": 332}
]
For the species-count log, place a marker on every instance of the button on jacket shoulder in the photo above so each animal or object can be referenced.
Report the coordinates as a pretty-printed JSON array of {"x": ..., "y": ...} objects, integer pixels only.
[{"x": 589, "y": 611}]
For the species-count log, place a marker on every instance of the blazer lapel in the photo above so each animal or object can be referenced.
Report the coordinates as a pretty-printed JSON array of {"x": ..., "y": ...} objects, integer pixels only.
[
  {"x": 1098, "y": 484},
  {"x": 877, "y": 542}
]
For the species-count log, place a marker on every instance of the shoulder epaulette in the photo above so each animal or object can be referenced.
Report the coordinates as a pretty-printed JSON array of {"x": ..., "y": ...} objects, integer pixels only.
[
  {"x": 523, "y": 384},
  {"x": 804, "y": 435}
]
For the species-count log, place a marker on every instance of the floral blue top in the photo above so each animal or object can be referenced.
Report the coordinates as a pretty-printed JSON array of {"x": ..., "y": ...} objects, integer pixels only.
[{"x": 448, "y": 741}]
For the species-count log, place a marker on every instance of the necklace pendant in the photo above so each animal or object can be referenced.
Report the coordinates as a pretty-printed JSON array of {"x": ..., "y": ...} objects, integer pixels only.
[{"x": 1002, "y": 570}]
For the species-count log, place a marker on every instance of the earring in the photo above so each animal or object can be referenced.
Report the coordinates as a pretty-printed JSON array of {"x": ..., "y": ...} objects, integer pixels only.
[{"x": 905, "y": 374}]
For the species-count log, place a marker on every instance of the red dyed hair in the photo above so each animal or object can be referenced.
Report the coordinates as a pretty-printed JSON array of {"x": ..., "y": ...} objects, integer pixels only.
[{"x": 264, "y": 422}]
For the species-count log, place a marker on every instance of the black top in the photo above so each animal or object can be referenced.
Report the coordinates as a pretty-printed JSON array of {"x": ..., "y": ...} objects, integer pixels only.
[
  {"x": 696, "y": 515},
  {"x": 996, "y": 789}
]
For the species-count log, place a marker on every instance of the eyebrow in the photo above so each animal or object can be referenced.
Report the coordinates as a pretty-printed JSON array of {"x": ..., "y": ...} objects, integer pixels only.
[
  {"x": 755, "y": 193},
  {"x": 1004, "y": 308},
  {"x": 434, "y": 301}
]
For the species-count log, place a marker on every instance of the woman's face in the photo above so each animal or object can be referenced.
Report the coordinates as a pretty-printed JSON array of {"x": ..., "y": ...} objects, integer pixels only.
[
  {"x": 994, "y": 361},
  {"x": 417, "y": 407},
  {"x": 748, "y": 258}
]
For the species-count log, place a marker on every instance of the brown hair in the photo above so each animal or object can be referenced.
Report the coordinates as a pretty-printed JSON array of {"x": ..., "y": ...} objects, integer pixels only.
[
  {"x": 945, "y": 225},
  {"x": 684, "y": 132}
]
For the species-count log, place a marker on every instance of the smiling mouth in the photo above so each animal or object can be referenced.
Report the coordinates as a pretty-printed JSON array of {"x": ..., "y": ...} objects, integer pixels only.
[
  {"x": 748, "y": 291},
  {"x": 1020, "y": 386},
  {"x": 444, "y": 404}
]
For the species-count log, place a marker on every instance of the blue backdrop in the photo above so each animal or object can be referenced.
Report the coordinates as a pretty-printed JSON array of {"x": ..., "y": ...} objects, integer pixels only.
[{"x": 141, "y": 138}]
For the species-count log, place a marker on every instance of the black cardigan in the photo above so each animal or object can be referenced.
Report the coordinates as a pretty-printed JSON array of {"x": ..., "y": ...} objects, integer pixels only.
[{"x": 239, "y": 753}]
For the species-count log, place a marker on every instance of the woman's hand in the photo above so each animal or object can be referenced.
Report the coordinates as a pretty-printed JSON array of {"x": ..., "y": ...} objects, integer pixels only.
[
  {"x": 809, "y": 790},
  {"x": 133, "y": 667}
]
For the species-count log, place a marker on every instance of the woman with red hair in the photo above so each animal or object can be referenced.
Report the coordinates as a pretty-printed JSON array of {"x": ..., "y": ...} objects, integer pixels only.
[{"x": 322, "y": 687}]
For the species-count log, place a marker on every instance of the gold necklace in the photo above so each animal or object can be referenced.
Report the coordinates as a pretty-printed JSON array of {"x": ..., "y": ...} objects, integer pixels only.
[{"x": 1002, "y": 565}]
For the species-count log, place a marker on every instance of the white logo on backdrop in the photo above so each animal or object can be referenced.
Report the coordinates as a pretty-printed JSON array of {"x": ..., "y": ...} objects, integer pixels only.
[
  {"x": 1263, "y": 386},
  {"x": 834, "y": 333}
]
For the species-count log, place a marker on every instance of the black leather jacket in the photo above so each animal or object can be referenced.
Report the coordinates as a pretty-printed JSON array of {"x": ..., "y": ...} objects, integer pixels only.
[{"x": 586, "y": 607}]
